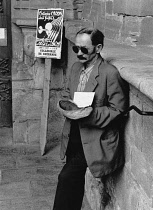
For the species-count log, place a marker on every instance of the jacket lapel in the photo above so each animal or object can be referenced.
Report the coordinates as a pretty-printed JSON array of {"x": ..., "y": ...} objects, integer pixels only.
[
  {"x": 92, "y": 82},
  {"x": 76, "y": 78}
]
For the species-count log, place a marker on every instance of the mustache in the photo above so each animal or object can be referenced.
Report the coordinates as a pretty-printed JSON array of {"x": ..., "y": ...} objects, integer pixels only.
[{"x": 81, "y": 57}]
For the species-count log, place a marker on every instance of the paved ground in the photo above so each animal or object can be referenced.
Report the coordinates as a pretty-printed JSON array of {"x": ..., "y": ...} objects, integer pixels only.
[{"x": 28, "y": 180}]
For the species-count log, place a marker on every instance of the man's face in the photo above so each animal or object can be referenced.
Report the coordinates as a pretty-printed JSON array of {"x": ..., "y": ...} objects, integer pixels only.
[{"x": 84, "y": 40}]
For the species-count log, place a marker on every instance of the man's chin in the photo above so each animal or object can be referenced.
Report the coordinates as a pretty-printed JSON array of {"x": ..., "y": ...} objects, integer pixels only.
[{"x": 82, "y": 60}]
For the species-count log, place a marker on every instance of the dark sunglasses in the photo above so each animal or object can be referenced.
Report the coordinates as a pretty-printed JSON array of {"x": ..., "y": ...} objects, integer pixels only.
[{"x": 77, "y": 48}]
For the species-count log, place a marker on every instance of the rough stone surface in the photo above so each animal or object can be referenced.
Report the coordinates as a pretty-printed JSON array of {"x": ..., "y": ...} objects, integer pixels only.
[{"x": 27, "y": 179}]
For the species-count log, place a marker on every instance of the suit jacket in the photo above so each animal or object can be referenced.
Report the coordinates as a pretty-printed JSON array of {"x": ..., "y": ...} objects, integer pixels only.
[{"x": 100, "y": 132}]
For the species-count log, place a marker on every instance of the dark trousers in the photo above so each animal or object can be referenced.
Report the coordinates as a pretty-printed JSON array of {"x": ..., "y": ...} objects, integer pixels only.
[{"x": 71, "y": 180}]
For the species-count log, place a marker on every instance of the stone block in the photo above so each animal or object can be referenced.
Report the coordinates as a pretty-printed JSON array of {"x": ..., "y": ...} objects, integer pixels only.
[
  {"x": 140, "y": 170},
  {"x": 146, "y": 36},
  {"x": 119, "y": 193},
  {"x": 131, "y": 27},
  {"x": 38, "y": 75},
  {"x": 113, "y": 26},
  {"x": 56, "y": 78},
  {"x": 16, "y": 204},
  {"x": 100, "y": 24},
  {"x": 96, "y": 10},
  {"x": 146, "y": 8},
  {"x": 27, "y": 104},
  {"x": 135, "y": 123},
  {"x": 135, "y": 197},
  {"x": 93, "y": 190},
  {"x": 14, "y": 190},
  {"x": 137, "y": 7},
  {"x": 17, "y": 175},
  {"x": 33, "y": 132},
  {"x": 109, "y": 7},
  {"x": 29, "y": 161},
  {"x": 44, "y": 203},
  {"x": 133, "y": 7},
  {"x": 17, "y": 43},
  {"x": 42, "y": 187},
  {"x": 6, "y": 136},
  {"x": 7, "y": 162},
  {"x": 19, "y": 150},
  {"x": 20, "y": 132},
  {"x": 119, "y": 6},
  {"x": 29, "y": 43},
  {"x": 86, "y": 9},
  {"x": 21, "y": 71},
  {"x": 147, "y": 146},
  {"x": 22, "y": 85}
]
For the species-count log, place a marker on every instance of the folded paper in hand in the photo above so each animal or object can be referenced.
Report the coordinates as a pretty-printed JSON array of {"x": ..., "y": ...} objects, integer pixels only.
[{"x": 83, "y": 99}]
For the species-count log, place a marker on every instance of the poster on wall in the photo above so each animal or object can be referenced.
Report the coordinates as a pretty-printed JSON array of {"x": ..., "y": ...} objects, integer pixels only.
[{"x": 49, "y": 33}]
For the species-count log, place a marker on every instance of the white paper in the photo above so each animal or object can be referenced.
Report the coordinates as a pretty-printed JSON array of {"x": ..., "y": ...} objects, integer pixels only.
[
  {"x": 2, "y": 33},
  {"x": 83, "y": 99}
]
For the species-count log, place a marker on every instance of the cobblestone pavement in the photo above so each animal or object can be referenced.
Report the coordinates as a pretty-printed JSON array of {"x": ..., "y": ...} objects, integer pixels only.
[{"x": 28, "y": 180}]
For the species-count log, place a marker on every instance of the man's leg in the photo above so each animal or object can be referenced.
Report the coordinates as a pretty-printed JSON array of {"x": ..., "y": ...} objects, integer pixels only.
[{"x": 70, "y": 187}]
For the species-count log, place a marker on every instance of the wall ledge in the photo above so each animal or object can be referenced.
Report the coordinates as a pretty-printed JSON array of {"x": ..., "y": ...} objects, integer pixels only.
[{"x": 135, "y": 64}]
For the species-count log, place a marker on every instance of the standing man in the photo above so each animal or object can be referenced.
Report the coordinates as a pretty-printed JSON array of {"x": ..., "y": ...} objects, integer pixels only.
[{"x": 93, "y": 141}]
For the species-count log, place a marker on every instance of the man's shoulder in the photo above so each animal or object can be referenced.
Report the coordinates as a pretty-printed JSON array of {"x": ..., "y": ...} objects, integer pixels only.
[{"x": 108, "y": 67}]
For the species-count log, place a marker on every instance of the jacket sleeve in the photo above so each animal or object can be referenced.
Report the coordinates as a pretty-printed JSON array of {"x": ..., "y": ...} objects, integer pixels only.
[{"x": 117, "y": 102}]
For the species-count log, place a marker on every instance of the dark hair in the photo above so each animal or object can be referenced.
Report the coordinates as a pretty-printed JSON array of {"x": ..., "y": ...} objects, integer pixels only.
[{"x": 97, "y": 37}]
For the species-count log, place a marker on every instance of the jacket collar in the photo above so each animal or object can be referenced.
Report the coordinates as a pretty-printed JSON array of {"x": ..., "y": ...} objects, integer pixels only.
[{"x": 92, "y": 82}]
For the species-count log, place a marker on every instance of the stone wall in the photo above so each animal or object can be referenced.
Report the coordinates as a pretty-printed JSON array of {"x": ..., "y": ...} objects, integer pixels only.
[
  {"x": 128, "y": 22},
  {"x": 125, "y": 22},
  {"x": 27, "y": 85}
]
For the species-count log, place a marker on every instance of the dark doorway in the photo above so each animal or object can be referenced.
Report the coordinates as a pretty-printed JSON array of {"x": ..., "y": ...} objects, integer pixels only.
[{"x": 5, "y": 64}]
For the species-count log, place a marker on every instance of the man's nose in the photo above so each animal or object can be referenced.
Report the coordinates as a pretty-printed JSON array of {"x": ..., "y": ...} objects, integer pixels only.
[{"x": 80, "y": 52}]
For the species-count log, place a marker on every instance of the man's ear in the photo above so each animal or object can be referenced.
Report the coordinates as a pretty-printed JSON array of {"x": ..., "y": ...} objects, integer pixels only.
[{"x": 99, "y": 47}]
